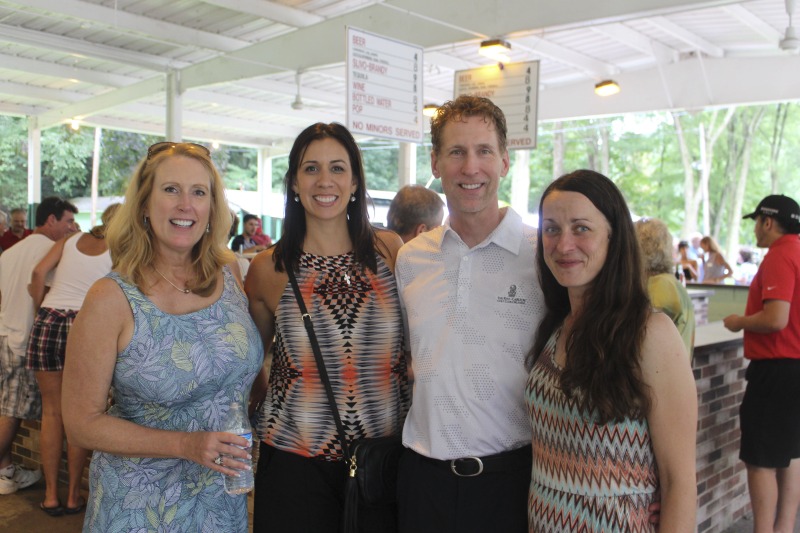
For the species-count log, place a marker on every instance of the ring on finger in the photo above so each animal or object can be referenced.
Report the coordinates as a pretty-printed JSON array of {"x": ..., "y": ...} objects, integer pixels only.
[{"x": 219, "y": 461}]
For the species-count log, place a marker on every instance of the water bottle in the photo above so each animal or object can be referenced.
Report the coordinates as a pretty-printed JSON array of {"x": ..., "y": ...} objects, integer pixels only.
[{"x": 236, "y": 422}]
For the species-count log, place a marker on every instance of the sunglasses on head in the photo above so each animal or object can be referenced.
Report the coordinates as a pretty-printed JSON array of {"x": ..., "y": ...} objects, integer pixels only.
[{"x": 164, "y": 145}]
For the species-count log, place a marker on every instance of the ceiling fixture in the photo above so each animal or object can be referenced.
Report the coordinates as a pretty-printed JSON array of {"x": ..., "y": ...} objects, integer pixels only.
[
  {"x": 430, "y": 110},
  {"x": 606, "y": 88},
  {"x": 75, "y": 124},
  {"x": 496, "y": 49},
  {"x": 791, "y": 41}
]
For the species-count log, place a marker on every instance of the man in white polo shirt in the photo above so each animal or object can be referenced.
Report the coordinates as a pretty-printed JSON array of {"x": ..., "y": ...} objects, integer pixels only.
[{"x": 472, "y": 303}]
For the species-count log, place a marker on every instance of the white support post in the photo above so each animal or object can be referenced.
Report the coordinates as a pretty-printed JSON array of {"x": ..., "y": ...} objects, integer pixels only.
[
  {"x": 34, "y": 168},
  {"x": 174, "y": 118},
  {"x": 407, "y": 165},
  {"x": 521, "y": 181}
]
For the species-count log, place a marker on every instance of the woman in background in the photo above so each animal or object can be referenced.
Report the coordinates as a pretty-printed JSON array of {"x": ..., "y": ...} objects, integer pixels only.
[
  {"x": 688, "y": 265},
  {"x": 169, "y": 329},
  {"x": 609, "y": 376},
  {"x": 666, "y": 293},
  {"x": 715, "y": 268},
  {"x": 344, "y": 269},
  {"x": 82, "y": 259}
]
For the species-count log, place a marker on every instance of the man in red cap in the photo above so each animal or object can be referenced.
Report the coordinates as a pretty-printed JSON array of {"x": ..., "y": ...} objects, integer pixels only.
[{"x": 770, "y": 411}]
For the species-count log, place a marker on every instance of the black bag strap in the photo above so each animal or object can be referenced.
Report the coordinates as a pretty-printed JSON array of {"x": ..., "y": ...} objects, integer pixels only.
[{"x": 323, "y": 373}]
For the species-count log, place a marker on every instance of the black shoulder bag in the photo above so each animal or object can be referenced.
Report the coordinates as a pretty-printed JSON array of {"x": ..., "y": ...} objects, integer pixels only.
[{"x": 372, "y": 477}]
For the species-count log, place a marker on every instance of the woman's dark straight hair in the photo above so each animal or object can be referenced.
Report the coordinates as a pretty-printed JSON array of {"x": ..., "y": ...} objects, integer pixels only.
[
  {"x": 289, "y": 248},
  {"x": 602, "y": 370}
]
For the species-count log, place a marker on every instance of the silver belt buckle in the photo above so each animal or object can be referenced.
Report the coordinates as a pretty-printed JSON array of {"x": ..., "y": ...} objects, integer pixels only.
[{"x": 455, "y": 469}]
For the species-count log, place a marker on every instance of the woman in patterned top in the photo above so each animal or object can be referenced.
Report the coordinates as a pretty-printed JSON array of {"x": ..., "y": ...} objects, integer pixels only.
[
  {"x": 612, "y": 398},
  {"x": 344, "y": 269},
  {"x": 169, "y": 329}
]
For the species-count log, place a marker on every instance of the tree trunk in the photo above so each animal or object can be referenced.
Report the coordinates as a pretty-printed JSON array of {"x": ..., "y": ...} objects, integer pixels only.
[
  {"x": 689, "y": 206},
  {"x": 735, "y": 215},
  {"x": 781, "y": 112}
]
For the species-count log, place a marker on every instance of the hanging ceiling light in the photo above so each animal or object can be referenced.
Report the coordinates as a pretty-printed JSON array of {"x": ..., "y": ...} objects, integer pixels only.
[
  {"x": 496, "y": 49},
  {"x": 430, "y": 110},
  {"x": 606, "y": 88}
]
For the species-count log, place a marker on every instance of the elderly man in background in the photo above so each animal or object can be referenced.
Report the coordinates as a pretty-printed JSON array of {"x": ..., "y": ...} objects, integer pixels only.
[
  {"x": 17, "y": 232},
  {"x": 414, "y": 210},
  {"x": 770, "y": 410},
  {"x": 19, "y": 394}
]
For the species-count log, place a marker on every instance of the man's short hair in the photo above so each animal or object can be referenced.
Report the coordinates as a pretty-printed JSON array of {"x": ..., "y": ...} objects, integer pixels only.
[
  {"x": 414, "y": 205},
  {"x": 248, "y": 217},
  {"x": 461, "y": 109},
  {"x": 53, "y": 205}
]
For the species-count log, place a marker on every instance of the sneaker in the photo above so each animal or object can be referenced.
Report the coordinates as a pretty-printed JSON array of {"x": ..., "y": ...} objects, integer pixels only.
[{"x": 23, "y": 477}]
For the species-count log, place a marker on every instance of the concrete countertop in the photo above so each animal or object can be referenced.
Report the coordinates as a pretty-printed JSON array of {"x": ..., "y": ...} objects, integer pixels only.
[{"x": 714, "y": 333}]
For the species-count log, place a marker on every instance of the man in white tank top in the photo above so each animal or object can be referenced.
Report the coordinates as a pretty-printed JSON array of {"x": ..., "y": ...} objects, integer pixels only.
[{"x": 19, "y": 394}]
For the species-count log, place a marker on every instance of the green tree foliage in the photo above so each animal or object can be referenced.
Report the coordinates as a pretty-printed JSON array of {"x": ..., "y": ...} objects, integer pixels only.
[
  {"x": 641, "y": 153},
  {"x": 120, "y": 154},
  {"x": 13, "y": 163}
]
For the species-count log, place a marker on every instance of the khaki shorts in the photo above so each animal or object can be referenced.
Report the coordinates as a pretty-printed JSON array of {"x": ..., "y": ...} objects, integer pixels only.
[{"x": 19, "y": 393}]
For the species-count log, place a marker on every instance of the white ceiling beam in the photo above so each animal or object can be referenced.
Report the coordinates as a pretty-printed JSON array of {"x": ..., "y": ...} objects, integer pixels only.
[
  {"x": 310, "y": 113},
  {"x": 150, "y": 128},
  {"x": 283, "y": 88},
  {"x": 526, "y": 15},
  {"x": 40, "y": 93},
  {"x": 692, "y": 39},
  {"x": 644, "y": 91},
  {"x": 218, "y": 122},
  {"x": 47, "y": 41},
  {"x": 273, "y": 11},
  {"x": 442, "y": 59},
  {"x": 747, "y": 18},
  {"x": 56, "y": 70},
  {"x": 97, "y": 104},
  {"x": 638, "y": 41},
  {"x": 149, "y": 28},
  {"x": 540, "y": 47},
  {"x": 292, "y": 51},
  {"x": 18, "y": 109}
]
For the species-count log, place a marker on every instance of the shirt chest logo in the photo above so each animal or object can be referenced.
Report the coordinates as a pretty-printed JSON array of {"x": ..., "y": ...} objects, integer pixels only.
[{"x": 511, "y": 297}]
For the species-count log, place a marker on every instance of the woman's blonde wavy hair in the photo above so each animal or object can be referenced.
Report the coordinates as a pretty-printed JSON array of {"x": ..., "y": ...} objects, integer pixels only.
[{"x": 131, "y": 241}]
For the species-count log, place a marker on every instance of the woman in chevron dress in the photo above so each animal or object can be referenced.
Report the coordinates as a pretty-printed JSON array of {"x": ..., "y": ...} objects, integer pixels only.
[{"x": 611, "y": 394}]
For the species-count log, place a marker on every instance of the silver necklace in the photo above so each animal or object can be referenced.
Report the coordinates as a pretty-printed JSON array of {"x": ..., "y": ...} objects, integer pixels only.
[{"x": 184, "y": 291}]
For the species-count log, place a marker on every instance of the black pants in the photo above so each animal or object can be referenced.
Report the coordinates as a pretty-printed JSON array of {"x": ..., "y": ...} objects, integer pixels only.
[
  {"x": 432, "y": 499},
  {"x": 295, "y": 494}
]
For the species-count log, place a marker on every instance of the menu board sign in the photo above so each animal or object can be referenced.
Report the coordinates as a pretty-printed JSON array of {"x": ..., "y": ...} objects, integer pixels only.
[
  {"x": 384, "y": 87},
  {"x": 514, "y": 88}
]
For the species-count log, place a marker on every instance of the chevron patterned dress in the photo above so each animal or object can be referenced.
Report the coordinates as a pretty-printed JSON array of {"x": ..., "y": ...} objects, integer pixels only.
[{"x": 586, "y": 476}]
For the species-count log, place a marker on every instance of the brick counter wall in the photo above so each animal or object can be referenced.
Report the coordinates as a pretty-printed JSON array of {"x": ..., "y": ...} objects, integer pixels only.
[{"x": 722, "y": 496}]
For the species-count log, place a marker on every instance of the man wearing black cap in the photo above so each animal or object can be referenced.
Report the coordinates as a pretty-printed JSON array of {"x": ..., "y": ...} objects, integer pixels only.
[{"x": 770, "y": 411}]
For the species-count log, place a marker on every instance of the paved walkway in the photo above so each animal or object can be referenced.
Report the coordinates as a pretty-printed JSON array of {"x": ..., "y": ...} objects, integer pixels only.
[{"x": 20, "y": 513}]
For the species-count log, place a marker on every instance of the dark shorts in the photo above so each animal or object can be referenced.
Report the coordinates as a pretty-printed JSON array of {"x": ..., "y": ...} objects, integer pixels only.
[
  {"x": 48, "y": 341},
  {"x": 770, "y": 413}
]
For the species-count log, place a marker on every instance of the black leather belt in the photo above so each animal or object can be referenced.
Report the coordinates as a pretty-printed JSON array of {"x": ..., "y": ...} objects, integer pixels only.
[{"x": 475, "y": 466}]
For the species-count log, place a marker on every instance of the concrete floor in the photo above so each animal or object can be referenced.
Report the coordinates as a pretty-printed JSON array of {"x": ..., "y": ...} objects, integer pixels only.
[{"x": 20, "y": 513}]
